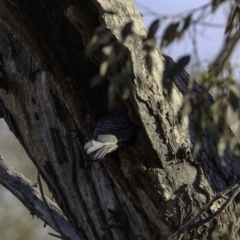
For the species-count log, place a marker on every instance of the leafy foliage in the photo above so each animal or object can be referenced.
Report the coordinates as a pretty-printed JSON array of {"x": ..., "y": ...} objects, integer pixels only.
[
  {"x": 113, "y": 59},
  {"x": 208, "y": 115}
]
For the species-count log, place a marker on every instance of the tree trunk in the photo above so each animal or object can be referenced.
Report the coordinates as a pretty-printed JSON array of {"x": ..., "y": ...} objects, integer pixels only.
[{"x": 138, "y": 193}]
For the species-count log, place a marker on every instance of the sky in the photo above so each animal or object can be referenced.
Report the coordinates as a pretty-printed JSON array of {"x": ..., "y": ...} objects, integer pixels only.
[{"x": 208, "y": 39}]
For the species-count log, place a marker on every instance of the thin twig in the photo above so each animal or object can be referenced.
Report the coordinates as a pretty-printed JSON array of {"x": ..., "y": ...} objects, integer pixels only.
[
  {"x": 55, "y": 235},
  {"x": 188, "y": 226},
  {"x": 229, "y": 45},
  {"x": 211, "y": 217},
  {"x": 212, "y": 25},
  {"x": 185, "y": 12},
  {"x": 48, "y": 209}
]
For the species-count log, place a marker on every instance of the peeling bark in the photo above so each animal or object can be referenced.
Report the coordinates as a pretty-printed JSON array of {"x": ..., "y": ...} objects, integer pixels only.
[{"x": 132, "y": 194}]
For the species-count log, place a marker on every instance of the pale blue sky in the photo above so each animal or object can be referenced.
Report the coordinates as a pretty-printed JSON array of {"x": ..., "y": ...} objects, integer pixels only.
[{"x": 209, "y": 39}]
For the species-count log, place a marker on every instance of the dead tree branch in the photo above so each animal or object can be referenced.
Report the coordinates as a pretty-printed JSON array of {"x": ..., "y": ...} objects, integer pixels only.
[{"x": 29, "y": 194}]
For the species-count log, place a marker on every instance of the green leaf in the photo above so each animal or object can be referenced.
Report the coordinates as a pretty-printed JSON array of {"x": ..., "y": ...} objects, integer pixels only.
[
  {"x": 127, "y": 30},
  {"x": 215, "y": 110},
  {"x": 233, "y": 98},
  {"x": 153, "y": 29},
  {"x": 235, "y": 90},
  {"x": 149, "y": 62},
  {"x": 214, "y": 5},
  {"x": 186, "y": 107},
  {"x": 92, "y": 45},
  {"x": 221, "y": 150},
  {"x": 187, "y": 21},
  {"x": 197, "y": 147},
  {"x": 169, "y": 34},
  {"x": 234, "y": 146},
  {"x": 183, "y": 61},
  {"x": 149, "y": 44},
  {"x": 178, "y": 67},
  {"x": 119, "y": 86},
  {"x": 168, "y": 85},
  {"x": 103, "y": 68},
  {"x": 107, "y": 50}
]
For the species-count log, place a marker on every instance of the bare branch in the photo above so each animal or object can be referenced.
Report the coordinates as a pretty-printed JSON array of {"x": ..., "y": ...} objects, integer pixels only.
[
  {"x": 235, "y": 189},
  {"x": 222, "y": 208},
  {"x": 49, "y": 210},
  {"x": 28, "y": 193}
]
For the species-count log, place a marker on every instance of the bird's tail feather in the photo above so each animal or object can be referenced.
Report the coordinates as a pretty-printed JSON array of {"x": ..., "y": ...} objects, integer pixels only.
[{"x": 97, "y": 149}]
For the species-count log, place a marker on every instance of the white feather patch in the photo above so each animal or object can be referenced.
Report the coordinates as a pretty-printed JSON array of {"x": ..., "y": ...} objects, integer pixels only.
[{"x": 98, "y": 149}]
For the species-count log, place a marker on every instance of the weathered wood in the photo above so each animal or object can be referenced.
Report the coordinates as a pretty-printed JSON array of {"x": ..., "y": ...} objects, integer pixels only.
[{"x": 29, "y": 194}]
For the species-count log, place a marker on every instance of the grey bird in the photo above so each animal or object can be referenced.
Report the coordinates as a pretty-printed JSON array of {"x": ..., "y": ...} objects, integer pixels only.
[{"x": 112, "y": 131}]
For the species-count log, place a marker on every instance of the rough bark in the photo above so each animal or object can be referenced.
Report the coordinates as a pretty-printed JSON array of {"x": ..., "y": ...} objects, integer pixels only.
[{"x": 137, "y": 193}]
